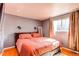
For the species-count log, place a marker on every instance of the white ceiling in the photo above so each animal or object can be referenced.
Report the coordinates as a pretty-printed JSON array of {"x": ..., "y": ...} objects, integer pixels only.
[{"x": 39, "y": 11}]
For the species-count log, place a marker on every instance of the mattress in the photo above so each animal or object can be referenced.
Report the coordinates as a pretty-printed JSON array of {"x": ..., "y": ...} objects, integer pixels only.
[{"x": 36, "y": 46}]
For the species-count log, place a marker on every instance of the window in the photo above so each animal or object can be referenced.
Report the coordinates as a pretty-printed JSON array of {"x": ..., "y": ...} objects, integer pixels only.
[{"x": 61, "y": 24}]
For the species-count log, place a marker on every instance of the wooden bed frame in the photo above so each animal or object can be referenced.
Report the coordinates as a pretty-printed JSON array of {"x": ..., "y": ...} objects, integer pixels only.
[{"x": 50, "y": 53}]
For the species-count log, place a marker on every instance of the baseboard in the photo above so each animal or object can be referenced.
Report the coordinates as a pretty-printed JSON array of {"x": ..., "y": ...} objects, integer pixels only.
[
  {"x": 69, "y": 52},
  {"x": 10, "y": 47}
]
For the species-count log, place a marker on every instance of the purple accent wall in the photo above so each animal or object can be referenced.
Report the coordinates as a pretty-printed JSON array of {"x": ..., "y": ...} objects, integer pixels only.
[{"x": 10, "y": 27}]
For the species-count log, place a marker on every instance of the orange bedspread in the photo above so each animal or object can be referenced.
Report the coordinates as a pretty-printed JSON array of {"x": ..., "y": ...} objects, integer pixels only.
[{"x": 34, "y": 46}]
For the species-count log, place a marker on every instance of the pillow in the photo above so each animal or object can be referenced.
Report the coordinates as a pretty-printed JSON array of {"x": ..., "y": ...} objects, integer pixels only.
[
  {"x": 36, "y": 35},
  {"x": 25, "y": 36}
]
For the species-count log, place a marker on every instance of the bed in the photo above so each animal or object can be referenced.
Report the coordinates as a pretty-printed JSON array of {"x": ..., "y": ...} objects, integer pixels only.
[{"x": 35, "y": 46}]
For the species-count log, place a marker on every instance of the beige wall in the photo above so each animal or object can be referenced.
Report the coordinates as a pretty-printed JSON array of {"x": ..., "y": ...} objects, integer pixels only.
[
  {"x": 60, "y": 36},
  {"x": 46, "y": 28},
  {"x": 10, "y": 27},
  {"x": 1, "y": 17},
  {"x": 0, "y": 41}
]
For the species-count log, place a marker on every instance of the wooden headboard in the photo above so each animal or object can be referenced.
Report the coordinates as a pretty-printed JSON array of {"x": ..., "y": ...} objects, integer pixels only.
[{"x": 17, "y": 35}]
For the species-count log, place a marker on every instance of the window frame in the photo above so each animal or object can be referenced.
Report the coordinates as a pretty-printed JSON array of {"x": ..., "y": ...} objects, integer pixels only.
[{"x": 61, "y": 18}]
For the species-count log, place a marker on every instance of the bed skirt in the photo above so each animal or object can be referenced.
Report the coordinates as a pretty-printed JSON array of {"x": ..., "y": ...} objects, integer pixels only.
[{"x": 51, "y": 53}]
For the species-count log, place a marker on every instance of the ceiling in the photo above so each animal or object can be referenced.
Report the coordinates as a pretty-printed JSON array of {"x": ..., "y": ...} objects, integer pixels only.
[{"x": 39, "y": 11}]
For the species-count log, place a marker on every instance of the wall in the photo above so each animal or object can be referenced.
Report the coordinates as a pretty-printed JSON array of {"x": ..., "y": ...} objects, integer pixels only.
[
  {"x": 0, "y": 30},
  {"x": 45, "y": 25},
  {"x": 60, "y": 36},
  {"x": 10, "y": 27},
  {"x": 0, "y": 41},
  {"x": 1, "y": 17}
]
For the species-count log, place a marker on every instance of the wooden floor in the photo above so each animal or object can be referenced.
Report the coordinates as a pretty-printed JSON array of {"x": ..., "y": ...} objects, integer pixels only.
[
  {"x": 10, "y": 52},
  {"x": 13, "y": 52},
  {"x": 69, "y": 52}
]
